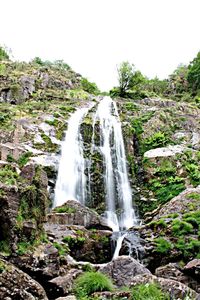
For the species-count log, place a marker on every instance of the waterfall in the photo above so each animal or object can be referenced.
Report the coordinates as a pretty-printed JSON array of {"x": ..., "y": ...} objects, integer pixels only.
[
  {"x": 71, "y": 179},
  {"x": 117, "y": 188},
  {"x": 72, "y": 183}
]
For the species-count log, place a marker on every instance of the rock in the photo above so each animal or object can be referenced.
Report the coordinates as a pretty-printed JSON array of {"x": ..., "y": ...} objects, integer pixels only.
[
  {"x": 82, "y": 215},
  {"x": 63, "y": 285},
  {"x": 15, "y": 150},
  {"x": 18, "y": 285},
  {"x": 112, "y": 295},
  {"x": 70, "y": 297},
  {"x": 165, "y": 151},
  {"x": 179, "y": 204},
  {"x": 193, "y": 268},
  {"x": 9, "y": 203},
  {"x": 123, "y": 269},
  {"x": 85, "y": 245},
  {"x": 176, "y": 289},
  {"x": 28, "y": 85},
  {"x": 171, "y": 271}
]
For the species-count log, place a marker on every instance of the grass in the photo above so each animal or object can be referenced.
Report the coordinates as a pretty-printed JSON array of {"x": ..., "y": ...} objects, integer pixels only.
[
  {"x": 65, "y": 209},
  {"x": 163, "y": 246},
  {"x": 90, "y": 282},
  {"x": 149, "y": 291}
]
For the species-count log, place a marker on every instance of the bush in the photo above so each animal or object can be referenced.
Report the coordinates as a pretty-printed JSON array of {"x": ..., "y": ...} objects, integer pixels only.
[
  {"x": 65, "y": 209},
  {"x": 149, "y": 291},
  {"x": 91, "y": 282}
]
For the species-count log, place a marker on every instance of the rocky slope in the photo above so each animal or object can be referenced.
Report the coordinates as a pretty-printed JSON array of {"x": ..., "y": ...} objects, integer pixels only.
[{"x": 42, "y": 250}]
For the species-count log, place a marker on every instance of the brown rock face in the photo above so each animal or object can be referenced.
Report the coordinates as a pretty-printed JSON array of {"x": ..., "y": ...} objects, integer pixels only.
[
  {"x": 9, "y": 202},
  {"x": 16, "y": 284},
  {"x": 123, "y": 269}
]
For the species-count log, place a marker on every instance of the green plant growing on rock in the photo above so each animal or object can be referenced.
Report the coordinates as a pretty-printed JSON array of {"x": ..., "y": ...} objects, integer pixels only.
[
  {"x": 180, "y": 227},
  {"x": 90, "y": 282},
  {"x": 64, "y": 209},
  {"x": 162, "y": 245},
  {"x": 149, "y": 291}
]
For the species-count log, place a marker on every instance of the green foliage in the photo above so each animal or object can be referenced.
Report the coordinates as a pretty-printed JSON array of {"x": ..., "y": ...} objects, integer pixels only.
[
  {"x": 90, "y": 282},
  {"x": 5, "y": 247},
  {"x": 8, "y": 175},
  {"x": 158, "y": 139},
  {"x": 194, "y": 173},
  {"x": 162, "y": 245},
  {"x": 3, "y": 54},
  {"x": 149, "y": 291},
  {"x": 23, "y": 247},
  {"x": 62, "y": 249},
  {"x": 24, "y": 158},
  {"x": 65, "y": 209},
  {"x": 89, "y": 87},
  {"x": 194, "y": 74},
  {"x": 180, "y": 228},
  {"x": 74, "y": 242},
  {"x": 3, "y": 267}
]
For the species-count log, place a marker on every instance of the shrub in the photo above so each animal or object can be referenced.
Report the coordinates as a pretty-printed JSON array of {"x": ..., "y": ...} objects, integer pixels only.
[
  {"x": 91, "y": 282},
  {"x": 149, "y": 291}
]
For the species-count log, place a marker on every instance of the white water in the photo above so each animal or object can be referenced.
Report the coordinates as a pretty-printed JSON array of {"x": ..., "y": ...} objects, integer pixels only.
[
  {"x": 117, "y": 187},
  {"x": 119, "y": 245},
  {"x": 71, "y": 179}
]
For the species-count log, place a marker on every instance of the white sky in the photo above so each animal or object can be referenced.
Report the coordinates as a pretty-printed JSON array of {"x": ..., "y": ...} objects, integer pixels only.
[{"x": 93, "y": 36}]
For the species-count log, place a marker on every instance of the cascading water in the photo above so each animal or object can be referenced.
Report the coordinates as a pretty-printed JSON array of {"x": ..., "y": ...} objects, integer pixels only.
[
  {"x": 72, "y": 182},
  {"x": 117, "y": 187},
  {"x": 71, "y": 179}
]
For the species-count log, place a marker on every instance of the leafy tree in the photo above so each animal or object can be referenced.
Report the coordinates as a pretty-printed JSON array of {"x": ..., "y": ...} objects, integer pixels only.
[
  {"x": 125, "y": 73},
  {"x": 194, "y": 74},
  {"x": 89, "y": 87},
  {"x": 3, "y": 54}
]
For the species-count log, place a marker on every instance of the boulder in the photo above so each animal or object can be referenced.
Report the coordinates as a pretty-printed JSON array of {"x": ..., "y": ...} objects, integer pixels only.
[
  {"x": 16, "y": 284},
  {"x": 123, "y": 269},
  {"x": 63, "y": 285},
  {"x": 164, "y": 151},
  {"x": 176, "y": 289},
  {"x": 79, "y": 215},
  {"x": 193, "y": 268},
  {"x": 172, "y": 271},
  {"x": 70, "y": 297}
]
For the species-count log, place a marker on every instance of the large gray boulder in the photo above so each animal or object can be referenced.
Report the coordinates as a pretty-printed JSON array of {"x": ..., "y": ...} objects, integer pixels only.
[{"x": 123, "y": 269}]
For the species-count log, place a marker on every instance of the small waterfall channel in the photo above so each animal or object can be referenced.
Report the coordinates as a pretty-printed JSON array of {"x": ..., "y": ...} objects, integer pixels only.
[{"x": 72, "y": 182}]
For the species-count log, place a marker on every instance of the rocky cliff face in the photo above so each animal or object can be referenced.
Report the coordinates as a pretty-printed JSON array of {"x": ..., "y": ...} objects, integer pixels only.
[{"x": 44, "y": 251}]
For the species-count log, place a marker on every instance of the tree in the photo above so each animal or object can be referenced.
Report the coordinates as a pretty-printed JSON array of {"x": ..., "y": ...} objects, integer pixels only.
[
  {"x": 3, "y": 54},
  {"x": 194, "y": 74},
  {"x": 125, "y": 73}
]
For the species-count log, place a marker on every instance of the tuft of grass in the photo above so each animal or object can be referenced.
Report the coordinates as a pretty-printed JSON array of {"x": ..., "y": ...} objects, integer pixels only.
[
  {"x": 90, "y": 282},
  {"x": 162, "y": 245},
  {"x": 149, "y": 291},
  {"x": 65, "y": 209}
]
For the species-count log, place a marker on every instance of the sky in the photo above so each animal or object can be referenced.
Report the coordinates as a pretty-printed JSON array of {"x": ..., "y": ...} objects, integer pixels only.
[{"x": 94, "y": 36}]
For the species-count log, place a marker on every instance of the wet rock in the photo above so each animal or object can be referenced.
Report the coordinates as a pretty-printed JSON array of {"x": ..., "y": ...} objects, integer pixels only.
[
  {"x": 18, "y": 285},
  {"x": 176, "y": 289},
  {"x": 123, "y": 269},
  {"x": 62, "y": 285},
  {"x": 82, "y": 215}
]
